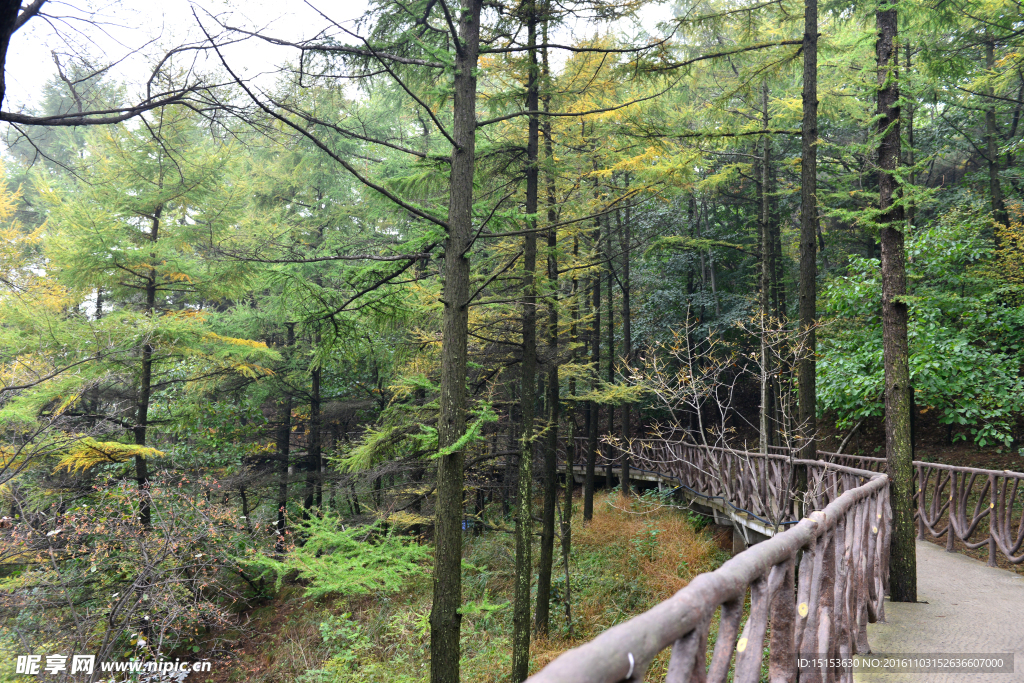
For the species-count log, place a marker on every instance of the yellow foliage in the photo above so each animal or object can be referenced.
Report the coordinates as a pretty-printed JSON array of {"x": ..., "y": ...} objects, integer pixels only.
[
  {"x": 16, "y": 245},
  {"x": 407, "y": 519},
  {"x": 89, "y": 452},
  {"x": 1009, "y": 255},
  {"x": 213, "y": 336}
]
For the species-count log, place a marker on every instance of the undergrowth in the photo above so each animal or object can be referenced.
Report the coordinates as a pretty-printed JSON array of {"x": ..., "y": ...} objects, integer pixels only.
[{"x": 626, "y": 560}]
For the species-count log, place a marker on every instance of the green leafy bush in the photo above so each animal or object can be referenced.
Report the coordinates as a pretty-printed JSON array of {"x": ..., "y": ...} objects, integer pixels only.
[{"x": 965, "y": 339}]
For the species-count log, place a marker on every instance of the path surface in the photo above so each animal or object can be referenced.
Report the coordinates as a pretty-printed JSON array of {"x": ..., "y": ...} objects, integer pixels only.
[{"x": 971, "y": 608}]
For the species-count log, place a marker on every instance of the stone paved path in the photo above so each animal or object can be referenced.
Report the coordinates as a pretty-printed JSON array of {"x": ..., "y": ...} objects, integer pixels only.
[{"x": 972, "y": 608}]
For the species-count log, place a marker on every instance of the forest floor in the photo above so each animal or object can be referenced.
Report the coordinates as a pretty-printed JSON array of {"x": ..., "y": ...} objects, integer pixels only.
[{"x": 622, "y": 563}]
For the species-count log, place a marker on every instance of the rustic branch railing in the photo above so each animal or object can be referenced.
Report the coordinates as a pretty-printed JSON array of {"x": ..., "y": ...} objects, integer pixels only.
[
  {"x": 982, "y": 507},
  {"x": 838, "y": 555}
]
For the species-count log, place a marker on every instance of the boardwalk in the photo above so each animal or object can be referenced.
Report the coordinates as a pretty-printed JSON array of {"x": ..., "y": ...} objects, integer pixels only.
[
  {"x": 970, "y": 608},
  {"x": 836, "y": 538}
]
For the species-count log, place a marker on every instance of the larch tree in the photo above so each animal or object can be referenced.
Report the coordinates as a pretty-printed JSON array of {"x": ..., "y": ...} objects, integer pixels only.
[
  {"x": 134, "y": 234},
  {"x": 899, "y": 455},
  {"x": 808, "y": 234}
]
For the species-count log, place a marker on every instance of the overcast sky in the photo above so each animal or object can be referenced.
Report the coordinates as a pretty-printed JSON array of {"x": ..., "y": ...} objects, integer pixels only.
[{"x": 119, "y": 27}]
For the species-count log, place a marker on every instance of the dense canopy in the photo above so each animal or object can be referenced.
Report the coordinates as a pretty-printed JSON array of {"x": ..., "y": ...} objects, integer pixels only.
[{"x": 318, "y": 326}]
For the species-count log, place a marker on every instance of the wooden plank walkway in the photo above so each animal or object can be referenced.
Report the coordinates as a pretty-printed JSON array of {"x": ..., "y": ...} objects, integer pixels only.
[{"x": 966, "y": 607}]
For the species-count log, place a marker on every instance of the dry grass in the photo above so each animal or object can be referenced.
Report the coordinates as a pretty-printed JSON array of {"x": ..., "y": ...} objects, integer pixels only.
[
  {"x": 630, "y": 556},
  {"x": 657, "y": 542}
]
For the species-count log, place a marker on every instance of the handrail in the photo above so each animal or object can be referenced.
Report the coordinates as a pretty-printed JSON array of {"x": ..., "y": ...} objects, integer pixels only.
[
  {"x": 977, "y": 507},
  {"x": 842, "y": 553},
  {"x": 937, "y": 512}
]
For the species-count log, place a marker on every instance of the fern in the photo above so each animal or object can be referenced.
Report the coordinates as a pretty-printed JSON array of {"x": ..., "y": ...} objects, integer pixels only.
[{"x": 345, "y": 561}]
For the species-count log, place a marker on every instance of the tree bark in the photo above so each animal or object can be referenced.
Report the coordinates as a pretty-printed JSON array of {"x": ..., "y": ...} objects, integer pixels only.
[
  {"x": 524, "y": 494},
  {"x": 778, "y": 279},
  {"x": 9, "y": 11},
  {"x": 626, "y": 236},
  {"x": 768, "y": 289},
  {"x": 999, "y": 214},
  {"x": 547, "y": 539},
  {"x": 316, "y": 477},
  {"x": 141, "y": 422},
  {"x": 610, "y": 345},
  {"x": 145, "y": 379},
  {"x": 911, "y": 210},
  {"x": 902, "y": 553},
  {"x": 595, "y": 360},
  {"x": 445, "y": 618},
  {"x": 571, "y": 418},
  {"x": 283, "y": 438},
  {"x": 808, "y": 234}
]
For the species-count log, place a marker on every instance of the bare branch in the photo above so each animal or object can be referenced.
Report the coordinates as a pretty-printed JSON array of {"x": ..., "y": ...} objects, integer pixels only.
[{"x": 415, "y": 210}]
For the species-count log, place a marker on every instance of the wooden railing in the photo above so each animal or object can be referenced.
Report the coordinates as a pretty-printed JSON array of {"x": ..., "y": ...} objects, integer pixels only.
[
  {"x": 815, "y": 586},
  {"x": 977, "y": 507},
  {"x": 981, "y": 507}
]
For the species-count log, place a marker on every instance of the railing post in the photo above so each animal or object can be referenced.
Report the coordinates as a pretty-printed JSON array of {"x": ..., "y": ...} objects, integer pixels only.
[
  {"x": 842, "y": 633},
  {"x": 950, "y": 529},
  {"x": 689, "y": 657},
  {"x": 782, "y": 649},
  {"x": 992, "y": 521},
  {"x": 920, "y": 503},
  {"x": 749, "y": 648},
  {"x": 728, "y": 630}
]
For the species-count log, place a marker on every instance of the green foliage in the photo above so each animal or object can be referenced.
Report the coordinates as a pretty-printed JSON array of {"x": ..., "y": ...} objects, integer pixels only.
[
  {"x": 645, "y": 545},
  {"x": 392, "y": 441},
  {"x": 482, "y": 414},
  {"x": 682, "y": 243},
  {"x": 966, "y": 341},
  {"x": 243, "y": 261},
  {"x": 350, "y": 561}
]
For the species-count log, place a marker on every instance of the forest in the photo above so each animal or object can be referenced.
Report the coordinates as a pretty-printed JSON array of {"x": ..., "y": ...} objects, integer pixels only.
[{"x": 292, "y": 366}]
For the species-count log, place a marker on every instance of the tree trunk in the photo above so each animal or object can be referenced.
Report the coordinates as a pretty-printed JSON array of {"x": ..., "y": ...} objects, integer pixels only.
[
  {"x": 778, "y": 278},
  {"x": 314, "y": 476},
  {"x": 909, "y": 130},
  {"x": 627, "y": 343},
  {"x": 524, "y": 495},
  {"x": 445, "y": 619},
  {"x": 808, "y": 424},
  {"x": 571, "y": 418},
  {"x": 610, "y": 347},
  {"x": 145, "y": 380},
  {"x": 768, "y": 289},
  {"x": 999, "y": 214},
  {"x": 356, "y": 510},
  {"x": 142, "y": 418},
  {"x": 547, "y": 537},
  {"x": 902, "y": 553},
  {"x": 244, "y": 496},
  {"x": 595, "y": 360},
  {"x": 283, "y": 438}
]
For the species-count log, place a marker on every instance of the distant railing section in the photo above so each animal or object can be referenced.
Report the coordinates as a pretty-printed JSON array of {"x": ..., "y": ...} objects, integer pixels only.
[
  {"x": 758, "y": 485},
  {"x": 838, "y": 556},
  {"x": 983, "y": 508}
]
